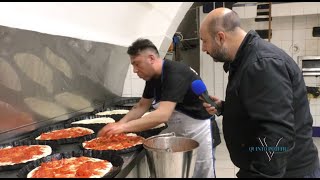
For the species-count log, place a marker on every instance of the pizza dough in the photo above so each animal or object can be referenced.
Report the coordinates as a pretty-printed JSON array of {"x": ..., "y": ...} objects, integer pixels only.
[
  {"x": 114, "y": 142},
  {"x": 103, "y": 120},
  {"x": 159, "y": 126},
  {"x": 75, "y": 167},
  {"x": 113, "y": 112},
  {"x": 22, "y": 154},
  {"x": 73, "y": 132}
]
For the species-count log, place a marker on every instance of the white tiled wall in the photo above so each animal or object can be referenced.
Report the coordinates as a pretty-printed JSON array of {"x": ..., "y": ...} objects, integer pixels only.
[
  {"x": 288, "y": 32},
  {"x": 293, "y": 9}
]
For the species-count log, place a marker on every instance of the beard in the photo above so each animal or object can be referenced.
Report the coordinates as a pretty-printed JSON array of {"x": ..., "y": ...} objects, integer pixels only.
[
  {"x": 146, "y": 78},
  {"x": 221, "y": 55}
]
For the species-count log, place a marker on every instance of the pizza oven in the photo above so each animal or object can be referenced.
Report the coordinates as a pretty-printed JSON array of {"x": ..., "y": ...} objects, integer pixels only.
[{"x": 45, "y": 79}]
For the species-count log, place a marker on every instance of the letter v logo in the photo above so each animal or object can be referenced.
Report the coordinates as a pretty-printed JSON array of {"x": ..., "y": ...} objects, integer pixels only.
[{"x": 268, "y": 152}]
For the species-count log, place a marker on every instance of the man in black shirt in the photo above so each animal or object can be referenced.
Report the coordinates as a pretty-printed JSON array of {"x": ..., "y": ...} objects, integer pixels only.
[
  {"x": 267, "y": 123},
  {"x": 168, "y": 89}
]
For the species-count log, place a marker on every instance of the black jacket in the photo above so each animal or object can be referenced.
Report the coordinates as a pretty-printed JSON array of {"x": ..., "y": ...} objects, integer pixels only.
[{"x": 266, "y": 110}]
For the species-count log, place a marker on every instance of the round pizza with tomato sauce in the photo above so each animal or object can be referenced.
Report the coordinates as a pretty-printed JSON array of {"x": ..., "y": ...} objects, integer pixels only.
[
  {"x": 72, "y": 132},
  {"x": 114, "y": 142},
  {"x": 22, "y": 154},
  {"x": 74, "y": 167}
]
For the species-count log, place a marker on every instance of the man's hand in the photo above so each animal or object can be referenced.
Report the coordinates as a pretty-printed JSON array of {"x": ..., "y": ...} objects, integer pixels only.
[
  {"x": 210, "y": 109},
  {"x": 112, "y": 128}
]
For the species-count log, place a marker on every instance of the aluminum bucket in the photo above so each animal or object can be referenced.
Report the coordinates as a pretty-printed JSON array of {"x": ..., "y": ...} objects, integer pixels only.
[{"x": 170, "y": 156}]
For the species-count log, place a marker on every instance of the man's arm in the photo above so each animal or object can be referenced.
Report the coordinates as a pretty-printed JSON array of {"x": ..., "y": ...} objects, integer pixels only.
[
  {"x": 137, "y": 110},
  {"x": 156, "y": 117}
]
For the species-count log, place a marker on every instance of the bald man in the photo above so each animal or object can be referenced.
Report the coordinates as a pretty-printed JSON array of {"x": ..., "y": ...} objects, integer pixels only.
[{"x": 267, "y": 123}]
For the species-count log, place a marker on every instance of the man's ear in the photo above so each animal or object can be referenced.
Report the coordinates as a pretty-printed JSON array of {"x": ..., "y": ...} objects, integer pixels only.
[
  {"x": 152, "y": 58},
  {"x": 220, "y": 38}
]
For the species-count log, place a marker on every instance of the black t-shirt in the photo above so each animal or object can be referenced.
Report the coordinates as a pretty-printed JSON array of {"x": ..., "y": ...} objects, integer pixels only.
[{"x": 175, "y": 85}]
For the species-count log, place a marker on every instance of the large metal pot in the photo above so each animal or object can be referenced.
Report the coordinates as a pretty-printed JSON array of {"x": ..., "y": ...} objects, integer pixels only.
[{"x": 170, "y": 156}]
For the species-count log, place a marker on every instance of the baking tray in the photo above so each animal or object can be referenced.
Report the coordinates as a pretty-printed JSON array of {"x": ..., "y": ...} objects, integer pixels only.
[
  {"x": 127, "y": 103},
  {"x": 95, "y": 127},
  {"x": 152, "y": 132},
  {"x": 115, "y": 159},
  {"x": 59, "y": 141},
  {"x": 53, "y": 146},
  {"x": 145, "y": 134},
  {"x": 122, "y": 151},
  {"x": 114, "y": 116}
]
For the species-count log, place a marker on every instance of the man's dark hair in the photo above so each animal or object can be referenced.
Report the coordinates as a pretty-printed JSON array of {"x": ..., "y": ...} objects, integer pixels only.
[{"x": 141, "y": 45}]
